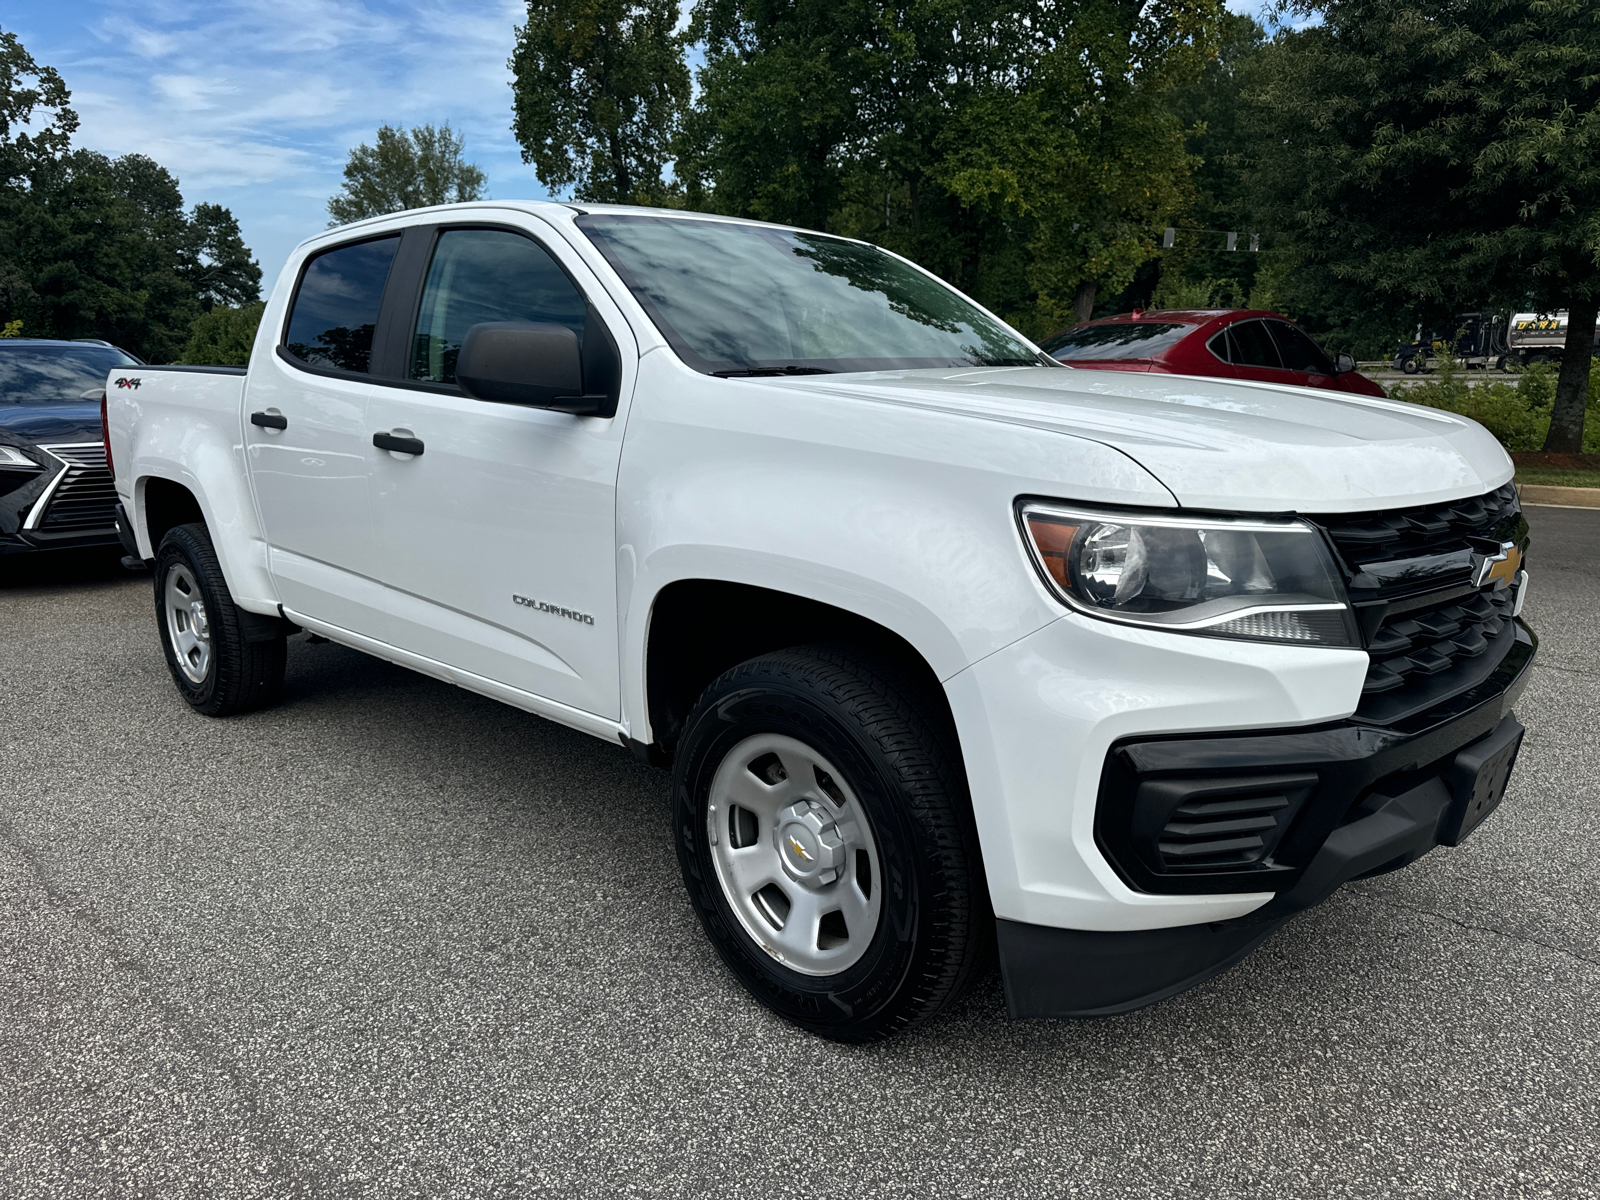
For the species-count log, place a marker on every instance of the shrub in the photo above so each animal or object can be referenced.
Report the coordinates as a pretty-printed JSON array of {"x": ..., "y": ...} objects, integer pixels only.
[
  {"x": 222, "y": 337},
  {"x": 1518, "y": 414}
]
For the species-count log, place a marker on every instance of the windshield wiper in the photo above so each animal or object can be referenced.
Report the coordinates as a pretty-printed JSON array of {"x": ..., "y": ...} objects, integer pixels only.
[{"x": 791, "y": 369}]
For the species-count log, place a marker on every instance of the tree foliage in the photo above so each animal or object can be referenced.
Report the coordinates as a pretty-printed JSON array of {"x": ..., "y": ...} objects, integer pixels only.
[
  {"x": 27, "y": 89},
  {"x": 599, "y": 90},
  {"x": 1444, "y": 152},
  {"x": 404, "y": 170},
  {"x": 1024, "y": 151},
  {"x": 92, "y": 246},
  {"x": 223, "y": 336}
]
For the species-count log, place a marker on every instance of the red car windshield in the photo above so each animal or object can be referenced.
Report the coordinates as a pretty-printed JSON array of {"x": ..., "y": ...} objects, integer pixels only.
[{"x": 1130, "y": 340}]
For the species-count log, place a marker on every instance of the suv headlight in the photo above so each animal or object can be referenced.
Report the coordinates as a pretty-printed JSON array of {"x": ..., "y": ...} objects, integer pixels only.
[{"x": 1262, "y": 579}]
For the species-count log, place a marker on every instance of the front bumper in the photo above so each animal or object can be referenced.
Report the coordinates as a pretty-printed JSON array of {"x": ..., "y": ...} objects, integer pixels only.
[{"x": 1344, "y": 800}]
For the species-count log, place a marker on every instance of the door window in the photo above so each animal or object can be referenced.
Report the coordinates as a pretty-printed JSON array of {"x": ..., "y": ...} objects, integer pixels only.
[
  {"x": 1252, "y": 345},
  {"x": 336, "y": 305},
  {"x": 1299, "y": 352},
  {"x": 486, "y": 275}
]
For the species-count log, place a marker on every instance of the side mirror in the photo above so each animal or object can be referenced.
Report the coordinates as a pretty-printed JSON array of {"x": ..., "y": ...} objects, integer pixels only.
[
  {"x": 1343, "y": 363},
  {"x": 536, "y": 363}
]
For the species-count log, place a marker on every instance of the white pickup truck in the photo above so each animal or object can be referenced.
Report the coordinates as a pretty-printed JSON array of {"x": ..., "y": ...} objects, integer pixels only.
[{"x": 954, "y": 652}]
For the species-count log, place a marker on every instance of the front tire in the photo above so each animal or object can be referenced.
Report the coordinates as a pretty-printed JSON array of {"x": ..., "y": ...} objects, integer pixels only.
[
  {"x": 216, "y": 669},
  {"x": 825, "y": 838}
]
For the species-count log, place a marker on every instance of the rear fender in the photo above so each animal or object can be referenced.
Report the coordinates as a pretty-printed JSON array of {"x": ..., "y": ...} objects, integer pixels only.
[{"x": 184, "y": 427}]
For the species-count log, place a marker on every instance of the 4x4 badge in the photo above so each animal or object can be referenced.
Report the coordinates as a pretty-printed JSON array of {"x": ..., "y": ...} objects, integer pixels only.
[{"x": 1499, "y": 568}]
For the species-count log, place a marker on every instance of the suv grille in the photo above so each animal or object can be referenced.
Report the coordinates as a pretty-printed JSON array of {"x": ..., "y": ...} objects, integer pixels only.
[
  {"x": 86, "y": 497},
  {"x": 1430, "y": 635}
]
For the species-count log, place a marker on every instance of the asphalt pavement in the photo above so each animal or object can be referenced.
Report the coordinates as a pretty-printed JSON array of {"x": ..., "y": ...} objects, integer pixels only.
[{"x": 391, "y": 939}]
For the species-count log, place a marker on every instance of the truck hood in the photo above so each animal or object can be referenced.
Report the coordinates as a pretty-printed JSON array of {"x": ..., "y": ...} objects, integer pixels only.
[{"x": 1218, "y": 443}]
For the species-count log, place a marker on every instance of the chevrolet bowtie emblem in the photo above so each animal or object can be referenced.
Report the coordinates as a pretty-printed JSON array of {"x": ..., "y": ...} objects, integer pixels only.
[
  {"x": 1500, "y": 569},
  {"x": 798, "y": 848}
]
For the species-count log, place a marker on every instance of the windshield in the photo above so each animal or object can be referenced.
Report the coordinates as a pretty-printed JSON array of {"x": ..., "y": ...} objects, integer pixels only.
[
  {"x": 742, "y": 299},
  {"x": 51, "y": 374},
  {"x": 1115, "y": 341}
]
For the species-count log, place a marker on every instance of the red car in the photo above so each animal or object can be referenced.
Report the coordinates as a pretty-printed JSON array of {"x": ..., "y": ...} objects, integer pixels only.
[{"x": 1236, "y": 343}]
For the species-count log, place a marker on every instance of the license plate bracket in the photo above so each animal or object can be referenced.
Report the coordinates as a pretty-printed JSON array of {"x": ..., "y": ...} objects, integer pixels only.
[{"x": 1478, "y": 779}]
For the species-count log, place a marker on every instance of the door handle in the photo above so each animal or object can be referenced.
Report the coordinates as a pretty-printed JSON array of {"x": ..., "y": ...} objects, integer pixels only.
[
  {"x": 268, "y": 420},
  {"x": 400, "y": 445}
]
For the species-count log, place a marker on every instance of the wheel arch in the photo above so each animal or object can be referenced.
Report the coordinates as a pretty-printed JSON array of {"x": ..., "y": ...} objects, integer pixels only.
[
  {"x": 165, "y": 505},
  {"x": 163, "y": 500},
  {"x": 699, "y": 628}
]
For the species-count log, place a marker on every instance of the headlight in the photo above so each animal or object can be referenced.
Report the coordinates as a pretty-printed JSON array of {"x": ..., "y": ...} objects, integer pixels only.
[
  {"x": 11, "y": 457},
  {"x": 1263, "y": 579}
]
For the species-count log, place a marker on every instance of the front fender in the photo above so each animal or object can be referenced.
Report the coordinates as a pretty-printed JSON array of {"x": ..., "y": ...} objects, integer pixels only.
[{"x": 904, "y": 517}]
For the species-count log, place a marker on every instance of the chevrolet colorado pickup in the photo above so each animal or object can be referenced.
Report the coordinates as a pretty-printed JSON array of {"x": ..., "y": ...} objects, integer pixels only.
[{"x": 954, "y": 652}]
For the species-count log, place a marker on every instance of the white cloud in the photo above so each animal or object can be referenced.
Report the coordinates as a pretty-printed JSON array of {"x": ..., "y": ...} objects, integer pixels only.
[{"x": 256, "y": 103}]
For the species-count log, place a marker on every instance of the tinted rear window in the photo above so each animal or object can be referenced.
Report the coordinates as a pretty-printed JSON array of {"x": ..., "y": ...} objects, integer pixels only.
[
  {"x": 1250, "y": 344},
  {"x": 49, "y": 374},
  {"x": 1139, "y": 340},
  {"x": 1299, "y": 352},
  {"x": 336, "y": 306}
]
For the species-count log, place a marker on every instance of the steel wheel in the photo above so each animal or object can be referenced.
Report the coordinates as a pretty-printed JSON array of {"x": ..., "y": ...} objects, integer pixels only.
[
  {"x": 794, "y": 853},
  {"x": 188, "y": 625}
]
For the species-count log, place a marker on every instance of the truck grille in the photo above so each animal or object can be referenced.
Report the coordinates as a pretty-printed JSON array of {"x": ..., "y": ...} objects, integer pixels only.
[
  {"x": 1430, "y": 635},
  {"x": 86, "y": 497},
  {"x": 1424, "y": 643},
  {"x": 1406, "y": 533}
]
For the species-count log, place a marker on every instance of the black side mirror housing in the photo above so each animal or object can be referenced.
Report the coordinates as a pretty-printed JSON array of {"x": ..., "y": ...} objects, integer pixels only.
[
  {"x": 1343, "y": 363},
  {"x": 542, "y": 365}
]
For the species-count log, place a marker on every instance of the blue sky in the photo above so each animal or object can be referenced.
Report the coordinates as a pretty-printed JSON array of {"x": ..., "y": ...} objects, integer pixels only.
[{"x": 255, "y": 104}]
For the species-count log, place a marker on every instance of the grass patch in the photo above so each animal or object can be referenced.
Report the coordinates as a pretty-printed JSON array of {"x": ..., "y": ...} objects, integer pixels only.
[{"x": 1555, "y": 477}]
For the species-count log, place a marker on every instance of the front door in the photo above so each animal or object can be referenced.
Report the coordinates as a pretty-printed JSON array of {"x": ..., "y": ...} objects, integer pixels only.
[
  {"x": 498, "y": 538},
  {"x": 307, "y": 437}
]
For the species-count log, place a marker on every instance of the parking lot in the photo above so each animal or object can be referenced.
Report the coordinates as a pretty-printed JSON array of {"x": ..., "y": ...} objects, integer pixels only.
[{"x": 394, "y": 939}]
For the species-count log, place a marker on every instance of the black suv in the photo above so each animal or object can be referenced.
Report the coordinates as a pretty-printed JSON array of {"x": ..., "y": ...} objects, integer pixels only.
[{"x": 55, "y": 488}]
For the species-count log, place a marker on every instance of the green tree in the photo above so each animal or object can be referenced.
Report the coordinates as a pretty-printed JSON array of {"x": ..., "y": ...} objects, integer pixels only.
[
  {"x": 1199, "y": 271},
  {"x": 599, "y": 89},
  {"x": 405, "y": 170},
  {"x": 26, "y": 89},
  {"x": 92, "y": 246},
  {"x": 1088, "y": 150},
  {"x": 223, "y": 336},
  {"x": 1022, "y": 151},
  {"x": 216, "y": 262},
  {"x": 1445, "y": 152}
]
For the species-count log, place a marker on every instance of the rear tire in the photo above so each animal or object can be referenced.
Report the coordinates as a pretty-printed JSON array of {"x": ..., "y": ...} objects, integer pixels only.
[
  {"x": 826, "y": 842},
  {"x": 215, "y": 668}
]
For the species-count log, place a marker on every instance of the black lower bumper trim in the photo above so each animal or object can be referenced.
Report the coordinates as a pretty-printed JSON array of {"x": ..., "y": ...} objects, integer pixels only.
[
  {"x": 1052, "y": 972},
  {"x": 1171, "y": 810},
  {"x": 1086, "y": 973}
]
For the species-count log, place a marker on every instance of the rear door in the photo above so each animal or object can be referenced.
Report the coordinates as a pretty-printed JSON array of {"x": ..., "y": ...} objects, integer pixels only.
[
  {"x": 497, "y": 542},
  {"x": 307, "y": 436}
]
